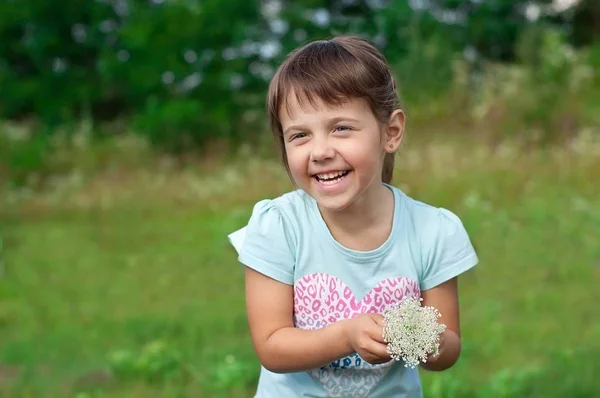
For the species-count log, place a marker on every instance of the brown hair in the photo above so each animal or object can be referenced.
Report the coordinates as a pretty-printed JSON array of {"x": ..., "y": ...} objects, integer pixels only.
[{"x": 333, "y": 71}]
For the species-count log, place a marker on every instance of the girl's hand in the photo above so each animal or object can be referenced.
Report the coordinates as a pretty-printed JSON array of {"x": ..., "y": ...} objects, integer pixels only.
[
  {"x": 432, "y": 358},
  {"x": 365, "y": 335}
]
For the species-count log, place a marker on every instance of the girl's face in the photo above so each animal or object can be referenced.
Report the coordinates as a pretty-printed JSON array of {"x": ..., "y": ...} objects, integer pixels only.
[{"x": 335, "y": 154}]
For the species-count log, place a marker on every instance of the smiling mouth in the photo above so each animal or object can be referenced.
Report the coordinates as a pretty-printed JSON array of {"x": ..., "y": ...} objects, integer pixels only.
[{"x": 331, "y": 178}]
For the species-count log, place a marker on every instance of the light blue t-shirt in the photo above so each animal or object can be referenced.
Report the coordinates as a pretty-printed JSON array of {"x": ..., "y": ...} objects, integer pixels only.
[{"x": 288, "y": 240}]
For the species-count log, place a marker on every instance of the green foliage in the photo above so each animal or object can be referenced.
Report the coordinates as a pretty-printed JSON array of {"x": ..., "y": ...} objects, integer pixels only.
[
  {"x": 232, "y": 372},
  {"x": 22, "y": 157},
  {"x": 174, "y": 124},
  {"x": 566, "y": 374},
  {"x": 157, "y": 361},
  {"x": 127, "y": 58},
  {"x": 570, "y": 373},
  {"x": 185, "y": 72},
  {"x": 549, "y": 96},
  {"x": 130, "y": 272}
]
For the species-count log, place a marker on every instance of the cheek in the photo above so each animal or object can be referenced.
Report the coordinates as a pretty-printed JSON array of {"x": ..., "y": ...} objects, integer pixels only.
[
  {"x": 364, "y": 155},
  {"x": 295, "y": 161}
]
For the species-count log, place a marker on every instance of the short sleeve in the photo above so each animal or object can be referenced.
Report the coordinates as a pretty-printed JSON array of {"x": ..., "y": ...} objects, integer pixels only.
[
  {"x": 449, "y": 250},
  {"x": 266, "y": 243}
]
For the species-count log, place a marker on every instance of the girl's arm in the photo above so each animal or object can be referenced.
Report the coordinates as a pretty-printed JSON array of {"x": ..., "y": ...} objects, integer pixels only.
[
  {"x": 283, "y": 348},
  {"x": 279, "y": 345},
  {"x": 444, "y": 297}
]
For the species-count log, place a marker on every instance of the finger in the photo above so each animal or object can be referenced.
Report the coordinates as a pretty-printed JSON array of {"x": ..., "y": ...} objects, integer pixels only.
[
  {"x": 376, "y": 333},
  {"x": 378, "y": 318},
  {"x": 378, "y": 350}
]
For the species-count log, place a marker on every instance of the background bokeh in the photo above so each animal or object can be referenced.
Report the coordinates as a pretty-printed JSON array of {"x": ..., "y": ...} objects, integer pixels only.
[{"x": 133, "y": 139}]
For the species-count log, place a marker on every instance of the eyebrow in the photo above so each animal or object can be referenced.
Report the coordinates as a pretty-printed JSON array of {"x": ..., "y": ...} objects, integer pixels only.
[{"x": 330, "y": 122}]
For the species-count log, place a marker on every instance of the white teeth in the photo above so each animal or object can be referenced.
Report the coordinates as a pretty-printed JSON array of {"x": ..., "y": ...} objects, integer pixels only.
[
  {"x": 330, "y": 182},
  {"x": 329, "y": 176}
]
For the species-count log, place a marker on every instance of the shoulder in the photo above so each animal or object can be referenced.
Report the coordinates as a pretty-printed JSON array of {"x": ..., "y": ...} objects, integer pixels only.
[
  {"x": 285, "y": 211},
  {"x": 276, "y": 216},
  {"x": 268, "y": 243},
  {"x": 444, "y": 243},
  {"x": 293, "y": 203},
  {"x": 427, "y": 218},
  {"x": 289, "y": 209}
]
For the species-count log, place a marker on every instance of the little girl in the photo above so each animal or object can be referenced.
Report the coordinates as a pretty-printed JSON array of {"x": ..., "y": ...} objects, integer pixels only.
[{"x": 324, "y": 261}]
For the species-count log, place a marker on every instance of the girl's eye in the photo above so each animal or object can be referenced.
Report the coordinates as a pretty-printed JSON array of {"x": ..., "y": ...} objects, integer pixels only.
[
  {"x": 343, "y": 128},
  {"x": 297, "y": 135}
]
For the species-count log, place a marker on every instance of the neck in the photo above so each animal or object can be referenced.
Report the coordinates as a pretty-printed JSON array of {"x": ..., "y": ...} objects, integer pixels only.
[{"x": 370, "y": 209}]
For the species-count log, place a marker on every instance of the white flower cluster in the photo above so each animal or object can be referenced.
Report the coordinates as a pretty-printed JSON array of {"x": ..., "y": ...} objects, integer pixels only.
[{"x": 412, "y": 331}]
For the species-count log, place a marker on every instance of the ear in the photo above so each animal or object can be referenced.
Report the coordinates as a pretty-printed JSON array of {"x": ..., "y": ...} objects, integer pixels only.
[{"x": 394, "y": 131}]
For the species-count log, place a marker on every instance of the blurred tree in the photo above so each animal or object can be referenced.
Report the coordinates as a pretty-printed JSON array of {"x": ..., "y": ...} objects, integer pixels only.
[
  {"x": 175, "y": 65},
  {"x": 584, "y": 22},
  {"x": 187, "y": 70}
]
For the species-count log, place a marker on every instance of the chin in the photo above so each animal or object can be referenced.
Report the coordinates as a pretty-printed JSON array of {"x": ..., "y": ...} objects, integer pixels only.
[{"x": 334, "y": 201}]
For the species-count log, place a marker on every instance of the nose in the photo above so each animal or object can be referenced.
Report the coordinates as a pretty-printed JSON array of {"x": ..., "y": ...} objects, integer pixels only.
[{"x": 321, "y": 150}]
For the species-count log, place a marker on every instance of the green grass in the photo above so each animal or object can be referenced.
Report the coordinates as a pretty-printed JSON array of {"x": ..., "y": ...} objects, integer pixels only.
[{"x": 125, "y": 286}]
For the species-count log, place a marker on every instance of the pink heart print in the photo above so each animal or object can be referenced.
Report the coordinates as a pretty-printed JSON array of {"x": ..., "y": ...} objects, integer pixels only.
[{"x": 320, "y": 300}]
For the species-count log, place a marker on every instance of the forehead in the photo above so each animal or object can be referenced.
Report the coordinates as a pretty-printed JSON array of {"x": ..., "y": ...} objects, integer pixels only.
[{"x": 298, "y": 107}]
